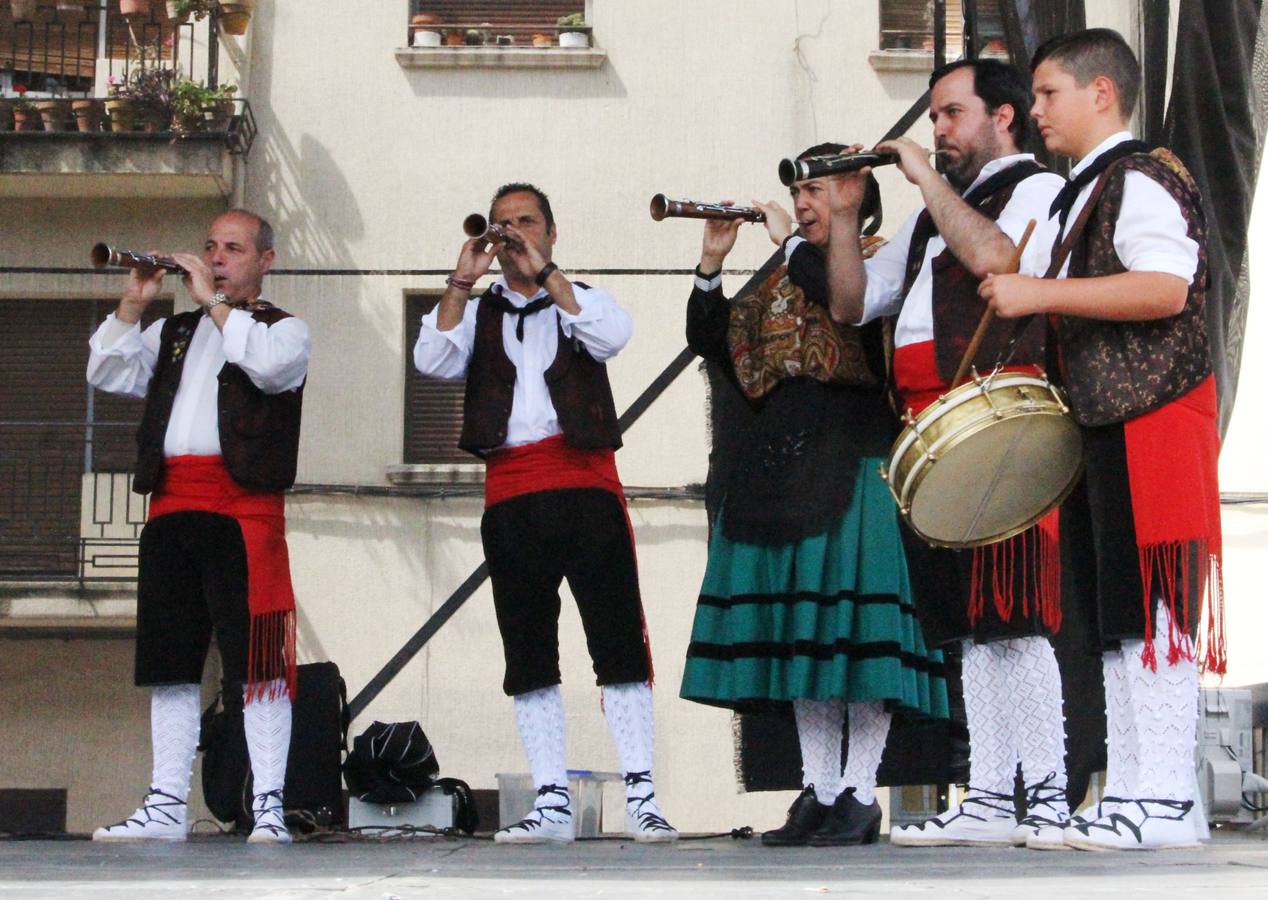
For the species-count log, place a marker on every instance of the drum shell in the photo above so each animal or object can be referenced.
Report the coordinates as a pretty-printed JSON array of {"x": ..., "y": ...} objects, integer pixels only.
[{"x": 984, "y": 417}]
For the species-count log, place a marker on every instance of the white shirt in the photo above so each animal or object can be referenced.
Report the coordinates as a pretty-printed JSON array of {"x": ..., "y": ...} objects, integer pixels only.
[
  {"x": 601, "y": 326},
  {"x": 1031, "y": 199},
  {"x": 274, "y": 357},
  {"x": 1151, "y": 234}
]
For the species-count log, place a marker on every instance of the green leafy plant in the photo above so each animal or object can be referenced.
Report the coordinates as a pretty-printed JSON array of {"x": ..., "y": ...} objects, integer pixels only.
[
  {"x": 20, "y": 103},
  {"x": 199, "y": 9},
  {"x": 572, "y": 20},
  {"x": 193, "y": 103}
]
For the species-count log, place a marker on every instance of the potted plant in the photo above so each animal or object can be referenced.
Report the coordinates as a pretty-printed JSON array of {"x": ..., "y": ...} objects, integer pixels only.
[
  {"x": 474, "y": 37},
  {"x": 179, "y": 11},
  {"x": 454, "y": 37},
  {"x": 25, "y": 116},
  {"x": 150, "y": 91},
  {"x": 541, "y": 39},
  {"x": 573, "y": 30},
  {"x": 235, "y": 16},
  {"x": 132, "y": 9},
  {"x": 25, "y": 10},
  {"x": 88, "y": 114},
  {"x": 196, "y": 107},
  {"x": 425, "y": 31}
]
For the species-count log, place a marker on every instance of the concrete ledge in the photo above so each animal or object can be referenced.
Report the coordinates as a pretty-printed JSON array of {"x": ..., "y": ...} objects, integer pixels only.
[
  {"x": 104, "y": 164},
  {"x": 500, "y": 57}
]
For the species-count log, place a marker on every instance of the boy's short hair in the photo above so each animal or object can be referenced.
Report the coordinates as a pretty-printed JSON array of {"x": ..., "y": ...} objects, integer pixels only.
[
  {"x": 998, "y": 83},
  {"x": 1092, "y": 53}
]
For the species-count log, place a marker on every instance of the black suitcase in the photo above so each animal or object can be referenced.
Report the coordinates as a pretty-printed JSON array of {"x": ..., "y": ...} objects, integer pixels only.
[{"x": 313, "y": 793}]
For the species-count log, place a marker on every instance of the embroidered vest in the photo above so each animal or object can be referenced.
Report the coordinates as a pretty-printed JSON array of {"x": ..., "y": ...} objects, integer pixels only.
[
  {"x": 1115, "y": 371},
  {"x": 578, "y": 386},
  {"x": 775, "y": 333},
  {"x": 957, "y": 309},
  {"x": 259, "y": 432}
]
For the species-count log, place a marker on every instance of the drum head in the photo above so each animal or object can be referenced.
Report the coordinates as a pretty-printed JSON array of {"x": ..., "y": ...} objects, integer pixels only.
[{"x": 997, "y": 481}]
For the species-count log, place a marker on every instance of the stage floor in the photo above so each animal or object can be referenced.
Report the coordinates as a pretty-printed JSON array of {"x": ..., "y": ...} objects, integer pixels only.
[{"x": 1232, "y": 866}]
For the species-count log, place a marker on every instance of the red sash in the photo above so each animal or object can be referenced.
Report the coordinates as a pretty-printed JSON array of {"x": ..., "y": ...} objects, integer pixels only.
[
  {"x": 553, "y": 465},
  {"x": 1173, "y": 472},
  {"x": 203, "y": 484},
  {"x": 1032, "y": 559}
]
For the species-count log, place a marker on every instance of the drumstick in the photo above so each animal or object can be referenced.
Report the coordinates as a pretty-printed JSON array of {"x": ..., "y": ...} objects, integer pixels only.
[{"x": 989, "y": 315}]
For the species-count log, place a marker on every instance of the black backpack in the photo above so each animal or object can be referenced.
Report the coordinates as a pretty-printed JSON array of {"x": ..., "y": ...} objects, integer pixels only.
[{"x": 313, "y": 792}]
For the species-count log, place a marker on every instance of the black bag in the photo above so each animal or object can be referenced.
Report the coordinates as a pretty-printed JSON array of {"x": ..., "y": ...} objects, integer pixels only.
[
  {"x": 391, "y": 762},
  {"x": 313, "y": 792},
  {"x": 395, "y": 763}
]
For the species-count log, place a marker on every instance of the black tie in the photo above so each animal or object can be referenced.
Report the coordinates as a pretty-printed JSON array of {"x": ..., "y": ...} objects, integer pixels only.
[
  {"x": 523, "y": 312},
  {"x": 1068, "y": 194}
]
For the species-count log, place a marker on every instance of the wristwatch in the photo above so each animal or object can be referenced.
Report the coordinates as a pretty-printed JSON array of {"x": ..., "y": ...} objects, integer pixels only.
[{"x": 216, "y": 299}]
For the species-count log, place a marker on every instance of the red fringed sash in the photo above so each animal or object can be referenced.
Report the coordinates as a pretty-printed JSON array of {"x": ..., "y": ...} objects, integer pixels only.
[
  {"x": 553, "y": 465},
  {"x": 1173, "y": 472},
  {"x": 203, "y": 484},
  {"x": 1028, "y": 564}
]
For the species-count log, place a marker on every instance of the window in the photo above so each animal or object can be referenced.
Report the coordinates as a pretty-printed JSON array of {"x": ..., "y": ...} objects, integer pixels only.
[
  {"x": 66, "y": 450},
  {"x": 908, "y": 25},
  {"x": 433, "y": 406},
  {"x": 489, "y": 20}
]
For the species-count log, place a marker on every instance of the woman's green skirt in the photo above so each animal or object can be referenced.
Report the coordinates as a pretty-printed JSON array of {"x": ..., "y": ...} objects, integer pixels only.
[{"x": 827, "y": 616}]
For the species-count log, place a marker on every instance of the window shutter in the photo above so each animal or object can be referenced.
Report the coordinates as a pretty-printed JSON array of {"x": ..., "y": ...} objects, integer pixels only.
[
  {"x": 45, "y": 433},
  {"x": 433, "y": 406},
  {"x": 521, "y": 18}
]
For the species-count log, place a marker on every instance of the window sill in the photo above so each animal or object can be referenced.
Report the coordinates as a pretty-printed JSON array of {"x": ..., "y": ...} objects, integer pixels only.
[
  {"x": 901, "y": 60},
  {"x": 500, "y": 57},
  {"x": 435, "y": 474}
]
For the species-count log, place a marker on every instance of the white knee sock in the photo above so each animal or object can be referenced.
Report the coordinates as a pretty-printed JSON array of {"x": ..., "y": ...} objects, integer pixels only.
[
  {"x": 175, "y": 715},
  {"x": 628, "y": 709},
  {"x": 1165, "y": 704},
  {"x": 1032, "y": 685},
  {"x": 992, "y": 752},
  {"x": 540, "y": 717},
  {"x": 267, "y": 723},
  {"x": 1122, "y": 743},
  {"x": 819, "y": 730},
  {"x": 869, "y": 727}
]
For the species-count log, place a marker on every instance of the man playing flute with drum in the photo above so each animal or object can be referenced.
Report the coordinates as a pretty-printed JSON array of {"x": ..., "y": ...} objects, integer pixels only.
[
  {"x": 806, "y": 601},
  {"x": 999, "y": 601}
]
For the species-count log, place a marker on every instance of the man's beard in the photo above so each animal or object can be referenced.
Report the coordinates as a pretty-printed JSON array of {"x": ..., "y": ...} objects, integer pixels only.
[{"x": 963, "y": 171}]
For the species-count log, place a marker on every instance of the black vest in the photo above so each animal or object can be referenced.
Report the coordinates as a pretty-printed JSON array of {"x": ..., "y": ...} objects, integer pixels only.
[
  {"x": 957, "y": 308},
  {"x": 578, "y": 386},
  {"x": 259, "y": 432}
]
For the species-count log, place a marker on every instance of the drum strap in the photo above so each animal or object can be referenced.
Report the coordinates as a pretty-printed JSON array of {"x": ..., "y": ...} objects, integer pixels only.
[{"x": 1059, "y": 256}]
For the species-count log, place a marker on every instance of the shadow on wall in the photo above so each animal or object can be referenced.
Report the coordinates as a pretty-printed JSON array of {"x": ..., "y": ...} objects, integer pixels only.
[{"x": 292, "y": 177}]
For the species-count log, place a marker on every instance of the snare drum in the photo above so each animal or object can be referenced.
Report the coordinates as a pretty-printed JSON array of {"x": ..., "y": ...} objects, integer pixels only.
[{"x": 985, "y": 461}]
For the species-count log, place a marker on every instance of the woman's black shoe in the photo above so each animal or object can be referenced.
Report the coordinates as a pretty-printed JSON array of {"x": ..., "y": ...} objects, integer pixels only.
[
  {"x": 804, "y": 817},
  {"x": 848, "y": 823}
]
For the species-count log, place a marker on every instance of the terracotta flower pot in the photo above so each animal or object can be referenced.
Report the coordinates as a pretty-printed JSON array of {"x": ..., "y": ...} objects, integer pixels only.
[
  {"x": 543, "y": 40},
  {"x": 56, "y": 115},
  {"x": 455, "y": 38},
  {"x": 88, "y": 114},
  {"x": 234, "y": 17},
  {"x": 25, "y": 10},
  {"x": 134, "y": 8},
  {"x": 27, "y": 120},
  {"x": 122, "y": 115}
]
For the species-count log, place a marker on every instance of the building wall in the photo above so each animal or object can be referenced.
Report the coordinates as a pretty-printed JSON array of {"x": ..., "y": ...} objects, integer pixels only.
[{"x": 367, "y": 168}]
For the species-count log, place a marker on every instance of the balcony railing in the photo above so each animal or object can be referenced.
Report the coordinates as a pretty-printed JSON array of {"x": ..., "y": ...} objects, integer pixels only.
[
  {"x": 72, "y": 58},
  {"x": 66, "y": 506}
]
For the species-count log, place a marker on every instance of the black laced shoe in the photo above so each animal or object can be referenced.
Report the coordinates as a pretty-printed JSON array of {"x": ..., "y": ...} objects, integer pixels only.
[
  {"x": 804, "y": 818},
  {"x": 848, "y": 823}
]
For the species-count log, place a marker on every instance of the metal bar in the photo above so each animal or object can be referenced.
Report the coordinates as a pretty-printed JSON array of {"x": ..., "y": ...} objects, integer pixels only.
[
  {"x": 972, "y": 39},
  {"x": 939, "y": 34},
  {"x": 1014, "y": 36},
  {"x": 464, "y": 592}
]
